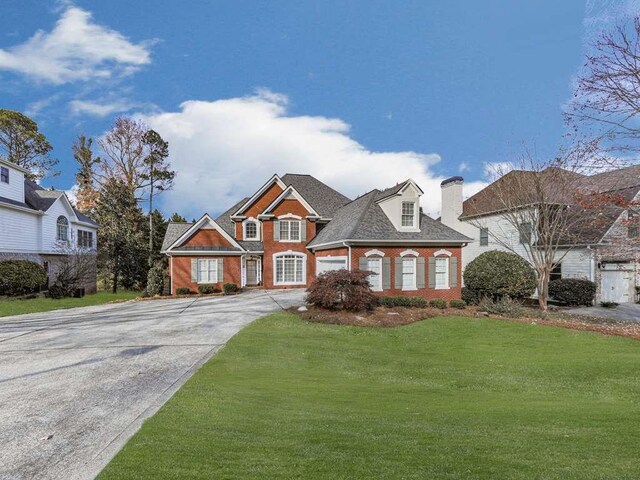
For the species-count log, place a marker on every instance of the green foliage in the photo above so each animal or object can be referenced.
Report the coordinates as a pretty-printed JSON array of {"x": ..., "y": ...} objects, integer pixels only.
[
  {"x": 497, "y": 274},
  {"x": 402, "y": 301},
  {"x": 609, "y": 304},
  {"x": 207, "y": 289},
  {"x": 573, "y": 291},
  {"x": 20, "y": 277},
  {"x": 183, "y": 291},
  {"x": 230, "y": 288},
  {"x": 504, "y": 306},
  {"x": 155, "y": 279},
  {"x": 122, "y": 247},
  {"x": 21, "y": 143},
  {"x": 438, "y": 303},
  {"x": 40, "y": 304},
  {"x": 177, "y": 218},
  {"x": 471, "y": 297},
  {"x": 342, "y": 289},
  {"x": 459, "y": 304}
]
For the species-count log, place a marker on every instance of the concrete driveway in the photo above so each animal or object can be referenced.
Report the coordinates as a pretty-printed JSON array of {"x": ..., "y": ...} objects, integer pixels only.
[
  {"x": 625, "y": 312},
  {"x": 76, "y": 384}
]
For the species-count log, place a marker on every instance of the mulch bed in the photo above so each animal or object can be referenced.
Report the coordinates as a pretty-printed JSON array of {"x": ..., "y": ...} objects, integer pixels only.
[{"x": 387, "y": 317}]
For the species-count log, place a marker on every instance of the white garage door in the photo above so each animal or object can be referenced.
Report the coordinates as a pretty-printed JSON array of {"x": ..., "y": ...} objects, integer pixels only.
[
  {"x": 617, "y": 286},
  {"x": 328, "y": 264}
]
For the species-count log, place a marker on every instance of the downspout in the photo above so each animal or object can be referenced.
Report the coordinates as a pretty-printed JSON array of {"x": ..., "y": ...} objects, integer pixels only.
[
  {"x": 348, "y": 255},
  {"x": 170, "y": 274}
]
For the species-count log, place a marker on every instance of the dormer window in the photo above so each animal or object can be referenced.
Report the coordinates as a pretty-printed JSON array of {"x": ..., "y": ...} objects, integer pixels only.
[
  {"x": 408, "y": 214},
  {"x": 62, "y": 229},
  {"x": 4, "y": 175},
  {"x": 251, "y": 230}
]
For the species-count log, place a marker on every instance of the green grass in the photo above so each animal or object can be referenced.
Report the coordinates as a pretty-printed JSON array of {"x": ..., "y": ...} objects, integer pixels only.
[
  {"x": 444, "y": 398},
  {"x": 34, "y": 305}
]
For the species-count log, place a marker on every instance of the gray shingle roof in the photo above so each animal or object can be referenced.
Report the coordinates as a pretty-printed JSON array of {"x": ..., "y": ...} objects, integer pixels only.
[
  {"x": 38, "y": 199},
  {"x": 324, "y": 199},
  {"x": 224, "y": 220},
  {"x": 363, "y": 219},
  {"x": 174, "y": 231}
]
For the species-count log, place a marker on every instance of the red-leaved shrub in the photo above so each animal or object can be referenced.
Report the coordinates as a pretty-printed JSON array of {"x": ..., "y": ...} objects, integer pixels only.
[{"x": 342, "y": 289}]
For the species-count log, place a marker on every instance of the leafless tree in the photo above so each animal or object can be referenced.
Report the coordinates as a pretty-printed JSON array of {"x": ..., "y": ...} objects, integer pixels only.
[
  {"x": 535, "y": 210},
  {"x": 74, "y": 268}
]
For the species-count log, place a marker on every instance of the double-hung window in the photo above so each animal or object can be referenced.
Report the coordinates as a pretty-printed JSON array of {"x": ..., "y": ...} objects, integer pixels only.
[
  {"x": 207, "y": 270},
  {"x": 484, "y": 237},
  {"x": 525, "y": 230},
  {"x": 85, "y": 239},
  {"x": 290, "y": 230},
  {"x": 442, "y": 272},
  {"x": 374, "y": 265},
  {"x": 4, "y": 175},
  {"x": 62, "y": 229},
  {"x": 409, "y": 273},
  {"x": 290, "y": 269},
  {"x": 408, "y": 214}
]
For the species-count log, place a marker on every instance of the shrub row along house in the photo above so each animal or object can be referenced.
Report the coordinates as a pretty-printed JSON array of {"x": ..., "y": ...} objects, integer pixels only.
[
  {"x": 41, "y": 225},
  {"x": 296, "y": 227},
  {"x": 598, "y": 244}
]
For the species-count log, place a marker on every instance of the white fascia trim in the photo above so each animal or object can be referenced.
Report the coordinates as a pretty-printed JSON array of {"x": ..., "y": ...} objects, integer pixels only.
[
  {"x": 442, "y": 252},
  {"x": 288, "y": 216},
  {"x": 196, "y": 226},
  {"x": 256, "y": 195},
  {"x": 284, "y": 194},
  {"x": 333, "y": 257},
  {"x": 304, "y": 267},
  {"x": 413, "y": 184},
  {"x": 85, "y": 224},
  {"x": 68, "y": 206},
  {"x": 374, "y": 252},
  {"x": 14, "y": 166},
  {"x": 410, "y": 252},
  {"x": 21, "y": 209}
]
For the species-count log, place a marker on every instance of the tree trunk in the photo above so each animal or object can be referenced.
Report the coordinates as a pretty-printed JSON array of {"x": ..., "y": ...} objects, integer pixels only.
[
  {"x": 543, "y": 290},
  {"x": 151, "y": 225},
  {"x": 114, "y": 289}
]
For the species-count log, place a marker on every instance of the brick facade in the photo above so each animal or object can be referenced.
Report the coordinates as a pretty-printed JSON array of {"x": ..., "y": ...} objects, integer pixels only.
[{"x": 180, "y": 269}]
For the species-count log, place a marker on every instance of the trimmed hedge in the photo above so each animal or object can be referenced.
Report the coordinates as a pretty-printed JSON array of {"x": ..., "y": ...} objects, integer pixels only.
[
  {"x": 206, "y": 289},
  {"x": 459, "y": 304},
  {"x": 573, "y": 291},
  {"x": 438, "y": 303},
  {"x": 230, "y": 288},
  {"x": 183, "y": 291},
  {"x": 402, "y": 301},
  {"x": 470, "y": 297},
  {"x": 20, "y": 277},
  {"x": 497, "y": 274}
]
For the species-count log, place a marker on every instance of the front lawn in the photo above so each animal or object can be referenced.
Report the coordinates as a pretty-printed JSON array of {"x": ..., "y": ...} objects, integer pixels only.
[
  {"x": 443, "y": 398},
  {"x": 34, "y": 305}
]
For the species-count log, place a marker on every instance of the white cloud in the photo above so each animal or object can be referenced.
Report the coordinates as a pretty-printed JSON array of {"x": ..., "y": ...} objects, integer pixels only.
[
  {"x": 75, "y": 50},
  {"x": 493, "y": 170},
  {"x": 225, "y": 149},
  {"x": 97, "y": 109},
  {"x": 463, "y": 167}
]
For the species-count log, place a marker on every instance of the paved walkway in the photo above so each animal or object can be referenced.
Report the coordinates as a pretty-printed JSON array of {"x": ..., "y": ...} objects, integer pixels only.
[
  {"x": 76, "y": 384},
  {"x": 626, "y": 312}
]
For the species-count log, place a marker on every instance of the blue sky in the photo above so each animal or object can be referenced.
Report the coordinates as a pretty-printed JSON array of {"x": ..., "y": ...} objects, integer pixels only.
[{"x": 359, "y": 93}]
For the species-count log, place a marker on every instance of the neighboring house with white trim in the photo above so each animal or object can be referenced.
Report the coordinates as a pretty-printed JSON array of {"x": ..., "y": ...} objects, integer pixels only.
[
  {"x": 605, "y": 251},
  {"x": 41, "y": 225},
  {"x": 296, "y": 227}
]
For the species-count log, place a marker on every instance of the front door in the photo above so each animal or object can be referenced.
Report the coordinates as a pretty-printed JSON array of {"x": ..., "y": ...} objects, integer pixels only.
[{"x": 251, "y": 267}]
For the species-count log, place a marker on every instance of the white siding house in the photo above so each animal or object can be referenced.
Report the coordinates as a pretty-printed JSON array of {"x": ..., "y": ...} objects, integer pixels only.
[
  {"x": 614, "y": 271},
  {"x": 41, "y": 225}
]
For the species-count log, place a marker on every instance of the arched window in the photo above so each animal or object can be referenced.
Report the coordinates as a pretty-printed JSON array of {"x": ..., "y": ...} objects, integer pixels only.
[
  {"x": 63, "y": 228},
  {"x": 251, "y": 230}
]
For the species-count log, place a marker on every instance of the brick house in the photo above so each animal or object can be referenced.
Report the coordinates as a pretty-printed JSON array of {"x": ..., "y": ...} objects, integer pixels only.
[{"x": 296, "y": 227}]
